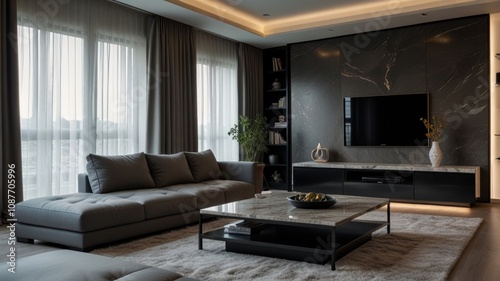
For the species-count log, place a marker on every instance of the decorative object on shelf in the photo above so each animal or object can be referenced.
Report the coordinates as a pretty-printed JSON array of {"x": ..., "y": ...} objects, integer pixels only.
[
  {"x": 274, "y": 105},
  {"x": 435, "y": 154},
  {"x": 276, "y": 177},
  {"x": 273, "y": 159},
  {"x": 276, "y": 84},
  {"x": 282, "y": 102},
  {"x": 435, "y": 128},
  {"x": 251, "y": 134},
  {"x": 320, "y": 154},
  {"x": 280, "y": 124}
]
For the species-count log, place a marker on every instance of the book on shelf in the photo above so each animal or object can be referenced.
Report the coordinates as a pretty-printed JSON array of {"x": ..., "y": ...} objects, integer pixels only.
[
  {"x": 280, "y": 124},
  {"x": 276, "y": 138},
  {"x": 277, "y": 64},
  {"x": 243, "y": 227},
  {"x": 282, "y": 102}
]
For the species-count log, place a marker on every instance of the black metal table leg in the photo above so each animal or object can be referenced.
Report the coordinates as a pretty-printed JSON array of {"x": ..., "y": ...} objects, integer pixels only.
[
  {"x": 389, "y": 217},
  {"x": 200, "y": 231},
  {"x": 333, "y": 248}
]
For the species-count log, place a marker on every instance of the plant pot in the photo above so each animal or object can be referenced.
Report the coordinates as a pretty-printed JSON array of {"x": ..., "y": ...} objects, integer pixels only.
[
  {"x": 435, "y": 154},
  {"x": 259, "y": 177}
]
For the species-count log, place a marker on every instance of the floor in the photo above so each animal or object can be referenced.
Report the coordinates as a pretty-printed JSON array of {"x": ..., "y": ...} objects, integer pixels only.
[{"x": 480, "y": 260}]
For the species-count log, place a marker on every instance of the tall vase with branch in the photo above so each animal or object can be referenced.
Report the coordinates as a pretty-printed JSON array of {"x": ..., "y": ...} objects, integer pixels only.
[{"x": 435, "y": 128}]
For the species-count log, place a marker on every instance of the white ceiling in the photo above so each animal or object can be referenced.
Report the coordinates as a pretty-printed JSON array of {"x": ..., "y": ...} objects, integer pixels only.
[{"x": 292, "y": 21}]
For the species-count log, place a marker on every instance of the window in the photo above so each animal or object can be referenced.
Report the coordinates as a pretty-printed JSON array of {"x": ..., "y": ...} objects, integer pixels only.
[
  {"x": 217, "y": 94},
  {"x": 82, "y": 90}
]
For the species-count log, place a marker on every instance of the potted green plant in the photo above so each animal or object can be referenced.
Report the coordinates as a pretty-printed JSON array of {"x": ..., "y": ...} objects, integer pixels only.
[{"x": 251, "y": 134}]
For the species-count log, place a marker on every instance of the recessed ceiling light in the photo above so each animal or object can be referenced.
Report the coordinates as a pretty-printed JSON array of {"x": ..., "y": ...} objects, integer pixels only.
[{"x": 266, "y": 15}]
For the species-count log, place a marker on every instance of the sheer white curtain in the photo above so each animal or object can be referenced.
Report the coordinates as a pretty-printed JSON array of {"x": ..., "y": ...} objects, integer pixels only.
[
  {"x": 217, "y": 94},
  {"x": 82, "y": 88}
]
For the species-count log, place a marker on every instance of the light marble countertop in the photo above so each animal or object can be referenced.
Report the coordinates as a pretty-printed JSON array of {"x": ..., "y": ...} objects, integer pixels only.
[
  {"x": 277, "y": 208},
  {"x": 398, "y": 167}
]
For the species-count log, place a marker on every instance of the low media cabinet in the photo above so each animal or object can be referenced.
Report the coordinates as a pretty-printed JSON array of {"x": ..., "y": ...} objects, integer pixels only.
[{"x": 449, "y": 185}]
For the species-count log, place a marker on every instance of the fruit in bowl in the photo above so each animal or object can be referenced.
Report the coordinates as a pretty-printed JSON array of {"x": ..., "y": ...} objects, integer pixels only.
[
  {"x": 310, "y": 197},
  {"x": 312, "y": 200}
]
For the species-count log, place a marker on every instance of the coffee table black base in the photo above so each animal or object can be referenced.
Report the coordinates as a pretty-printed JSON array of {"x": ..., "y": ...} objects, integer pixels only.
[
  {"x": 300, "y": 243},
  {"x": 314, "y": 245}
]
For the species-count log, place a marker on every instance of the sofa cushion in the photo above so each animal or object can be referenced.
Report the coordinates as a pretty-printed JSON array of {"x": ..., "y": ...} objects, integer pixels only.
[
  {"x": 205, "y": 196},
  {"x": 233, "y": 190},
  {"x": 79, "y": 212},
  {"x": 120, "y": 172},
  {"x": 73, "y": 265},
  {"x": 169, "y": 169},
  {"x": 160, "y": 202},
  {"x": 203, "y": 165}
]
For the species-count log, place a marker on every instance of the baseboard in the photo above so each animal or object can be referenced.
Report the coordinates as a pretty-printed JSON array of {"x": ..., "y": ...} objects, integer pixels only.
[{"x": 495, "y": 201}]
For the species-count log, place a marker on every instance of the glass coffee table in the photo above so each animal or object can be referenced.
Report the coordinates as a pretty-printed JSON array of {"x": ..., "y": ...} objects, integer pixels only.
[{"x": 310, "y": 235}]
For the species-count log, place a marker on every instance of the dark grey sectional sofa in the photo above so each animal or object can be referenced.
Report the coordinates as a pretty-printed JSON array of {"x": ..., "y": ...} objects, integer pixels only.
[{"x": 131, "y": 195}]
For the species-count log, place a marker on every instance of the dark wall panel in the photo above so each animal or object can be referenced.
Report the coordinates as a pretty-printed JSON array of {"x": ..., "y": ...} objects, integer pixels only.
[
  {"x": 448, "y": 59},
  {"x": 316, "y": 98},
  {"x": 457, "y": 78}
]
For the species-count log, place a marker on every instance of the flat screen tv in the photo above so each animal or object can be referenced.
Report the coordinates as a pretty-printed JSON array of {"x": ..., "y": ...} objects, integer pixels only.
[{"x": 390, "y": 120}]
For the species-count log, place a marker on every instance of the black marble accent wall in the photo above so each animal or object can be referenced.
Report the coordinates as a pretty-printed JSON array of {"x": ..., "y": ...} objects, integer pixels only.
[{"x": 447, "y": 59}]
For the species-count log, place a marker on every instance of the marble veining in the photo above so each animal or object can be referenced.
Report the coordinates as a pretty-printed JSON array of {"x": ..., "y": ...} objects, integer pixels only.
[
  {"x": 277, "y": 208},
  {"x": 396, "y": 167},
  {"x": 447, "y": 59}
]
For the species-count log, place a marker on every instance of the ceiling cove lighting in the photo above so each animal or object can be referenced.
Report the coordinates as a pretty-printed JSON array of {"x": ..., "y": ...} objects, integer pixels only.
[{"x": 256, "y": 24}]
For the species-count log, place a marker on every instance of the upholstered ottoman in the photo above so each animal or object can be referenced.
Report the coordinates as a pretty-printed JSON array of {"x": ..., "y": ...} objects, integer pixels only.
[{"x": 63, "y": 265}]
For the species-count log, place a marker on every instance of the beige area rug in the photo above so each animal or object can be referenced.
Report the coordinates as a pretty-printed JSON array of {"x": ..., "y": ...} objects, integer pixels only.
[{"x": 419, "y": 247}]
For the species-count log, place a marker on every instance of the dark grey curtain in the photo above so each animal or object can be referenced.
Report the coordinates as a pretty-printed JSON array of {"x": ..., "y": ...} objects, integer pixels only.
[
  {"x": 172, "y": 121},
  {"x": 250, "y": 78},
  {"x": 10, "y": 132}
]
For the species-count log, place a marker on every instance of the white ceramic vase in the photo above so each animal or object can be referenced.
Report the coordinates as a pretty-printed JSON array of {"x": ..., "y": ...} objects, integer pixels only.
[{"x": 435, "y": 154}]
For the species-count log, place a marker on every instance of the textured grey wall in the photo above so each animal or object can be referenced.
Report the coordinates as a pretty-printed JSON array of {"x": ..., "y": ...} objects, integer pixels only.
[{"x": 448, "y": 59}]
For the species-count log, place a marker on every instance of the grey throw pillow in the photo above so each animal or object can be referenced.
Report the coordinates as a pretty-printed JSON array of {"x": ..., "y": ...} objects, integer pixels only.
[
  {"x": 203, "y": 165},
  {"x": 169, "y": 169},
  {"x": 120, "y": 172}
]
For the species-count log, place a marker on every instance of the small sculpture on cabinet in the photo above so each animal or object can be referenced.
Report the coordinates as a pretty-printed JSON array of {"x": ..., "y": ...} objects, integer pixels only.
[{"x": 320, "y": 154}]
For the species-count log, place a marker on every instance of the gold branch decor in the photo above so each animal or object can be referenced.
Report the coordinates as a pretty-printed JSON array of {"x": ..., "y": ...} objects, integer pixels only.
[{"x": 435, "y": 126}]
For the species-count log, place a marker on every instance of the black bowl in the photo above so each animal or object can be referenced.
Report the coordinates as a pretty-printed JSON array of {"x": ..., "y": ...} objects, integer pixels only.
[{"x": 330, "y": 201}]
